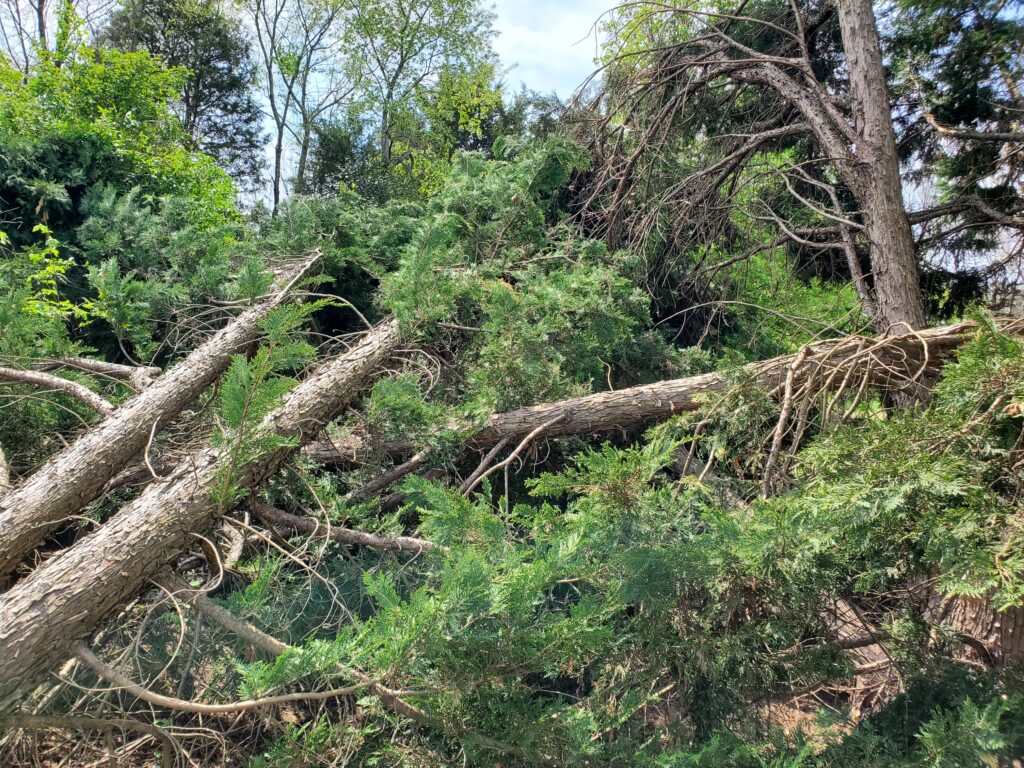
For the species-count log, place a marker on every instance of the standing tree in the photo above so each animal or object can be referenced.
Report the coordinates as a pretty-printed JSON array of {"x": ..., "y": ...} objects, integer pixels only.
[
  {"x": 217, "y": 105},
  {"x": 304, "y": 78},
  {"x": 406, "y": 46},
  {"x": 771, "y": 122}
]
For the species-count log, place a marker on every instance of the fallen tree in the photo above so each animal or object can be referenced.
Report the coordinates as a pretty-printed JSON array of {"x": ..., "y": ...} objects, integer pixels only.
[
  {"x": 68, "y": 596},
  {"x": 77, "y": 475},
  {"x": 892, "y": 362}
]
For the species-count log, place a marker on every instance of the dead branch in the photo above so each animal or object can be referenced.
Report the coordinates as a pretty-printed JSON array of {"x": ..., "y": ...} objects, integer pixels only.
[
  {"x": 139, "y": 377},
  {"x": 76, "y": 722},
  {"x": 123, "y": 682},
  {"x": 276, "y": 517},
  {"x": 48, "y": 381},
  {"x": 76, "y": 476}
]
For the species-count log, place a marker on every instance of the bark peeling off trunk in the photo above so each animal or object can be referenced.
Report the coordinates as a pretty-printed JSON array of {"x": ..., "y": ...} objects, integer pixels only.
[{"x": 77, "y": 475}]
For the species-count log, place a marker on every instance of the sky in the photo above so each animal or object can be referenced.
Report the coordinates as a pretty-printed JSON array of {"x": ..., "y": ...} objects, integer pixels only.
[{"x": 552, "y": 43}]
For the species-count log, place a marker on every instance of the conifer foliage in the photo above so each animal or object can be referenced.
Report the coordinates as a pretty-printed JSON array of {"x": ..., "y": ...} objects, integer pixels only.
[{"x": 329, "y": 553}]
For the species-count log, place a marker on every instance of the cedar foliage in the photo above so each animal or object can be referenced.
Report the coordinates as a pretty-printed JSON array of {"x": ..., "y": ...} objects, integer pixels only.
[{"x": 629, "y": 599}]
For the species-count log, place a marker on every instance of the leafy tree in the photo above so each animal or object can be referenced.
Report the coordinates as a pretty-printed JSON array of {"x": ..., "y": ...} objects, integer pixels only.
[
  {"x": 404, "y": 48},
  {"x": 216, "y": 105}
]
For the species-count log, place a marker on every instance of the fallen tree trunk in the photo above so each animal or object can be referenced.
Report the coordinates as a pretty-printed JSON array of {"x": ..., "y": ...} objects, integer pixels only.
[
  {"x": 67, "y": 597},
  {"x": 894, "y": 361},
  {"x": 77, "y": 475}
]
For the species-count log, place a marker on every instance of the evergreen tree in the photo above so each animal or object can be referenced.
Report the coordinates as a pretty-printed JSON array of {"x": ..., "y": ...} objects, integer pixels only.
[{"x": 217, "y": 104}]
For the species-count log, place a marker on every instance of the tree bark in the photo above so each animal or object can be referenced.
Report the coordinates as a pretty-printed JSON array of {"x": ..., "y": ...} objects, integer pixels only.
[
  {"x": 68, "y": 596},
  {"x": 608, "y": 411},
  {"x": 79, "y": 392},
  {"x": 876, "y": 165},
  {"x": 139, "y": 377},
  {"x": 76, "y": 476}
]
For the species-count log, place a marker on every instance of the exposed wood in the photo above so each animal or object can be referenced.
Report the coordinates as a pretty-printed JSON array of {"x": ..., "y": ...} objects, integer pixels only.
[
  {"x": 69, "y": 595},
  {"x": 76, "y": 476},
  {"x": 79, "y": 392}
]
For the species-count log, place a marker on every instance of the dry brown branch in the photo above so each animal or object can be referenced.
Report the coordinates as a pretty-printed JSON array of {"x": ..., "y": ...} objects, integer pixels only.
[
  {"x": 512, "y": 456},
  {"x": 123, "y": 682},
  {"x": 382, "y": 481},
  {"x": 77, "y": 722}
]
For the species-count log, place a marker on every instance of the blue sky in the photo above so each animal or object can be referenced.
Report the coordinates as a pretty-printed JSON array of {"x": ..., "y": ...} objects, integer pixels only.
[{"x": 551, "y": 43}]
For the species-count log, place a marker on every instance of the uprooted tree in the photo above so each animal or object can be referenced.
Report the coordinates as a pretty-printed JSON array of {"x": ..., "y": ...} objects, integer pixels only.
[{"x": 654, "y": 451}]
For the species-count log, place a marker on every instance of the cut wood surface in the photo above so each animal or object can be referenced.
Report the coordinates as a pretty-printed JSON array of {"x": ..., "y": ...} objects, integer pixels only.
[
  {"x": 77, "y": 475},
  {"x": 68, "y": 596}
]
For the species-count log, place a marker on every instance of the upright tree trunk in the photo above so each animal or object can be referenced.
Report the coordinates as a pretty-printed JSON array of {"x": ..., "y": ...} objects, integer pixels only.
[
  {"x": 877, "y": 169},
  {"x": 278, "y": 162},
  {"x": 300, "y": 173},
  {"x": 68, "y": 596},
  {"x": 76, "y": 476}
]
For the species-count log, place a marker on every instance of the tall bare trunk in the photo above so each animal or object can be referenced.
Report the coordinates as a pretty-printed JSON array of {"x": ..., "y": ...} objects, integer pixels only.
[
  {"x": 69, "y": 595},
  {"x": 877, "y": 169},
  {"x": 76, "y": 476}
]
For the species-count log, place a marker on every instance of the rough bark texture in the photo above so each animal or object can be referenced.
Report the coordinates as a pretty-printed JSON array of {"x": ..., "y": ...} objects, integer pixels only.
[
  {"x": 608, "y": 411},
  {"x": 76, "y": 476},
  {"x": 876, "y": 165},
  {"x": 5, "y": 474},
  {"x": 68, "y": 596},
  {"x": 993, "y": 637}
]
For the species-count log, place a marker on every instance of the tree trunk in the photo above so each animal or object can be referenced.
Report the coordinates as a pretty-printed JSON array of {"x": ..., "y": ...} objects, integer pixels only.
[
  {"x": 608, "y": 411},
  {"x": 300, "y": 173},
  {"x": 76, "y": 476},
  {"x": 68, "y": 596},
  {"x": 278, "y": 159},
  {"x": 876, "y": 166}
]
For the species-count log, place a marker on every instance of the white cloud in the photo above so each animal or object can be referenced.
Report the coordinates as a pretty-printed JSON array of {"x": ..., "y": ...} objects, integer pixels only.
[{"x": 550, "y": 44}]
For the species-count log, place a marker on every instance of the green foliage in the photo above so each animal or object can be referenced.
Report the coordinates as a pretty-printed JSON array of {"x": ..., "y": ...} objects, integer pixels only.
[
  {"x": 251, "y": 389},
  {"x": 549, "y": 314}
]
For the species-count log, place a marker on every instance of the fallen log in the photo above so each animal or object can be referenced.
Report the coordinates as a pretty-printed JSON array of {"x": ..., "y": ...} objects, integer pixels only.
[
  {"x": 68, "y": 596},
  {"x": 891, "y": 362},
  {"x": 77, "y": 475}
]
